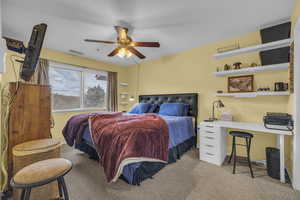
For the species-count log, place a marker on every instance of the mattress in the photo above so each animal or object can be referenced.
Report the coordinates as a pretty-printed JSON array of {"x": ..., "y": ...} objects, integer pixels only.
[{"x": 181, "y": 138}]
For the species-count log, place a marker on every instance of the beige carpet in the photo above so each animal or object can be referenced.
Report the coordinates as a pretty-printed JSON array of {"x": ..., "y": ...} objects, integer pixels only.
[{"x": 188, "y": 179}]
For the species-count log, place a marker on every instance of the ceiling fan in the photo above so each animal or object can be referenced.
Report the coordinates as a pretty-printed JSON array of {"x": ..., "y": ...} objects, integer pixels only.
[{"x": 125, "y": 44}]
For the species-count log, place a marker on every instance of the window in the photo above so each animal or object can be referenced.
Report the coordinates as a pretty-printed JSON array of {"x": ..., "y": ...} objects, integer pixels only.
[
  {"x": 95, "y": 86},
  {"x": 75, "y": 88}
]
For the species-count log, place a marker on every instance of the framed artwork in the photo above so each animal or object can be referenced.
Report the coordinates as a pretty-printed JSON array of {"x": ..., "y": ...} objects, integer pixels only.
[{"x": 240, "y": 83}]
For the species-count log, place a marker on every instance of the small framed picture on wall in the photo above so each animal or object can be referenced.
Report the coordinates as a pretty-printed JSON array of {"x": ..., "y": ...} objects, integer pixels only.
[{"x": 240, "y": 83}]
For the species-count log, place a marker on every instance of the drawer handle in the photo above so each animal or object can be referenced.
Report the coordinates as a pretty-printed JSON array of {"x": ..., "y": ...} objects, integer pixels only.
[
  {"x": 210, "y": 154},
  {"x": 209, "y": 145},
  {"x": 209, "y": 126},
  {"x": 211, "y": 138},
  {"x": 209, "y": 132}
]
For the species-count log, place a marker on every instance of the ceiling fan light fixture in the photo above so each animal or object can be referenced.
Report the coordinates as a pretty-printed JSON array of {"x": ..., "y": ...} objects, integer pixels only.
[
  {"x": 128, "y": 54},
  {"x": 123, "y": 52}
]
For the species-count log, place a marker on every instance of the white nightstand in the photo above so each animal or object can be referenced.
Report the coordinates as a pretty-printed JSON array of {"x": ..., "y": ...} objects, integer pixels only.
[{"x": 212, "y": 143}]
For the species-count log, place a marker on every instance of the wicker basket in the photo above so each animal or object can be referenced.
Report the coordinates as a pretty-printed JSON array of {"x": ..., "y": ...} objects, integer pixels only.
[{"x": 33, "y": 151}]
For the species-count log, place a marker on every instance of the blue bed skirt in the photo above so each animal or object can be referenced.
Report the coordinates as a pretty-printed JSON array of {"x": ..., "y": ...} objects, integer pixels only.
[
  {"x": 146, "y": 169},
  {"x": 181, "y": 139}
]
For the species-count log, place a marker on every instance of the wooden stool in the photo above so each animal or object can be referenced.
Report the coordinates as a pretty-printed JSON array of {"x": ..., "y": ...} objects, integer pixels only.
[{"x": 42, "y": 173}]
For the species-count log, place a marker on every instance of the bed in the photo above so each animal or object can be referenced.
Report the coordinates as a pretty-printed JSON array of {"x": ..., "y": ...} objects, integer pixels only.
[{"x": 182, "y": 137}]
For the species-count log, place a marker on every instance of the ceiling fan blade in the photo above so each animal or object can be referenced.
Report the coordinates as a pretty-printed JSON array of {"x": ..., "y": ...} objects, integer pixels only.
[
  {"x": 114, "y": 52},
  {"x": 146, "y": 44},
  {"x": 99, "y": 41},
  {"x": 136, "y": 52}
]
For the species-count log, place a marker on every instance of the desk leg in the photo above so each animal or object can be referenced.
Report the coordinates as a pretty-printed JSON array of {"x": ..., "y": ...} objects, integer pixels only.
[{"x": 282, "y": 160}]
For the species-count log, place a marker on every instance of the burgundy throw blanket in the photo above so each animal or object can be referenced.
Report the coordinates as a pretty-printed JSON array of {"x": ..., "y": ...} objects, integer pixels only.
[
  {"x": 124, "y": 139},
  {"x": 75, "y": 126}
]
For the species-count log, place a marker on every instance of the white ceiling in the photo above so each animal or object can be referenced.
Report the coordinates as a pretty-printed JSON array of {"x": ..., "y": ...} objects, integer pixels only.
[{"x": 177, "y": 24}]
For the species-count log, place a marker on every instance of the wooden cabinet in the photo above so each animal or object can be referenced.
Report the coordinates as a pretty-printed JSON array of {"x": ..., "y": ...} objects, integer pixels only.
[{"x": 30, "y": 115}]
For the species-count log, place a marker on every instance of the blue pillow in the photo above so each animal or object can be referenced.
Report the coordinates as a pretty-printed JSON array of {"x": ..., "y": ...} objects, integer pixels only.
[
  {"x": 140, "y": 108},
  {"x": 153, "y": 108},
  {"x": 172, "y": 109}
]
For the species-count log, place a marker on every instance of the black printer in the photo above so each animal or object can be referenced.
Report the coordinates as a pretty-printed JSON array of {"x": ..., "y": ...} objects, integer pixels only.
[{"x": 279, "y": 121}]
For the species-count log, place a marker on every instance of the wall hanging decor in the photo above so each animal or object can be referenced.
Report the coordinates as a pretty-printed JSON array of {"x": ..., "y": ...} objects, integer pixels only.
[
  {"x": 253, "y": 64},
  {"x": 240, "y": 83},
  {"x": 226, "y": 67},
  {"x": 228, "y": 48},
  {"x": 237, "y": 65}
]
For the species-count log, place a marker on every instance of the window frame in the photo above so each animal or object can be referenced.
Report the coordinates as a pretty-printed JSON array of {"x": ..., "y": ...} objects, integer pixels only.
[{"x": 82, "y": 70}]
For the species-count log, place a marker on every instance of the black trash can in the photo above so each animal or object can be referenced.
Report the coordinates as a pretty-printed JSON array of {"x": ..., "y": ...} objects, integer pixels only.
[{"x": 273, "y": 164}]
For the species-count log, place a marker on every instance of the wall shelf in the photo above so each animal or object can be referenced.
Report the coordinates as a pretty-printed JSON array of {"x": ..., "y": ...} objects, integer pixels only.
[
  {"x": 252, "y": 94},
  {"x": 256, "y": 48},
  {"x": 123, "y": 84},
  {"x": 123, "y": 93},
  {"x": 251, "y": 70}
]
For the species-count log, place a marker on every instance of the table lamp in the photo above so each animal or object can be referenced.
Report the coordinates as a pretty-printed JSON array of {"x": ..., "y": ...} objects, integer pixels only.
[{"x": 219, "y": 104}]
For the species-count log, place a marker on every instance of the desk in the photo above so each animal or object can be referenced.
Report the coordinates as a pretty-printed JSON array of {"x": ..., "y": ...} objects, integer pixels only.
[{"x": 219, "y": 129}]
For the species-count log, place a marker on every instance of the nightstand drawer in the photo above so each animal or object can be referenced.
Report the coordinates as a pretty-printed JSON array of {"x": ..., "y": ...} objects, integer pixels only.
[
  {"x": 209, "y": 157},
  {"x": 208, "y": 145},
  {"x": 209, "y": 135},
  {"x": 208, "y": 139},
  {"x": 208, "y": 148},
  {"x": 208, "y": 154},
  {"x": 209, "y": 128}
]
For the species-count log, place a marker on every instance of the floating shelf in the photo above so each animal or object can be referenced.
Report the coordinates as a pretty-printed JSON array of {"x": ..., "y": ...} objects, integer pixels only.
[
  {"x": 252, "y": 94},
  {"x": 123, "y": 93},
  {"x": 257, "y": 48},
  {"x": 123, "y": 84},
  {"x": 251, "y": 70}
]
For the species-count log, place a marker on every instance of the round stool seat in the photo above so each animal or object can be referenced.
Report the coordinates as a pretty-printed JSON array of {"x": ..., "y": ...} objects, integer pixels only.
[
  {"x": 241, "y": 134},
  {"x": 42, "y": 172}
]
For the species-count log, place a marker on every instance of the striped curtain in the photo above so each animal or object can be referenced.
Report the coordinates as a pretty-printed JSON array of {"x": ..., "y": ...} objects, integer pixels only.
[{"x": 112, "y": 90}]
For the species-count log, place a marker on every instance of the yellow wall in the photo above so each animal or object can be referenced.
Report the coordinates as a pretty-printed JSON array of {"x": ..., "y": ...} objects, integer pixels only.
[
  {"x": 296, "y": 13},
  {"x": 57, "y": 56},
  {"x": 192, "y": 71}
]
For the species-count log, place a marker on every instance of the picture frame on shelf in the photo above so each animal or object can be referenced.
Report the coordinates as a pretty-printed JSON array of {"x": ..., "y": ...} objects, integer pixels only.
[{"x": 240, "y": 83}]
